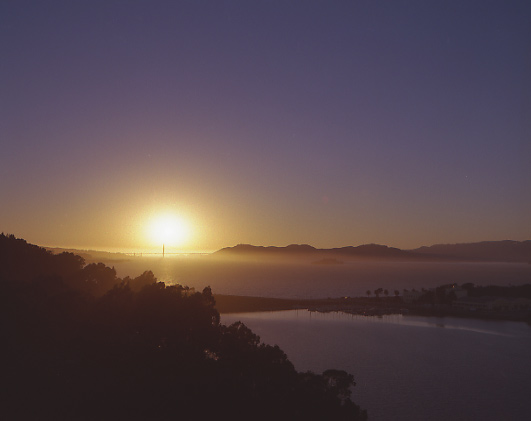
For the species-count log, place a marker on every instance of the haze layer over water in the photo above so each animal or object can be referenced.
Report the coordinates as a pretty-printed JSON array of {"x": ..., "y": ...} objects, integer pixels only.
[{"x": 307, "y": 280}]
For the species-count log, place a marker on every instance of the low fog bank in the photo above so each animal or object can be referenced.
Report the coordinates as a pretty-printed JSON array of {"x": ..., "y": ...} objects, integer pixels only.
[{"x": 305, "y": 279}]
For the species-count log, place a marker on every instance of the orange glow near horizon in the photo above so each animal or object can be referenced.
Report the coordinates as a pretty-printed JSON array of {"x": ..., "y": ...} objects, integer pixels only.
[{"x": 168, "y": 229}]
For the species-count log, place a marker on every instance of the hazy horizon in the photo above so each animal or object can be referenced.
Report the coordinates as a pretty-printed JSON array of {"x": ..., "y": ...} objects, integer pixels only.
[{"x": 171, "y": 250}]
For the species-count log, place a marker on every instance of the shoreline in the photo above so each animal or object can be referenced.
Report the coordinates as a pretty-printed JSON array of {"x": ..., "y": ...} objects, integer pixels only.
[{"x": 233, "y": 304}]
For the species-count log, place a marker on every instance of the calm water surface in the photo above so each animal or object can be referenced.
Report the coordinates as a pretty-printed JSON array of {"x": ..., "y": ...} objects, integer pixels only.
[{"x": 408, "y": 367}]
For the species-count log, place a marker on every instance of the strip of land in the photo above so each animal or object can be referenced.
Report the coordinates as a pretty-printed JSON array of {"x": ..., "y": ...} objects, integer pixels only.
[
  {"x": 363, "y": 306},
  {"x": 366, "y": 306}
]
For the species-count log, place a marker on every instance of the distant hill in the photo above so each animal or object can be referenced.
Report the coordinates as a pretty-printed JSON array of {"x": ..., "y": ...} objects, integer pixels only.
[
  {"x": 250, "y": 250},
  {"x": 294, "y": 251},
  {"x": 491, "y": 251}
]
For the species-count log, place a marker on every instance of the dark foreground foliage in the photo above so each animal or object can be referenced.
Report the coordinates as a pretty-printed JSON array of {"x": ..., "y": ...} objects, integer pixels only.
[{"x": 78, "y": 343}]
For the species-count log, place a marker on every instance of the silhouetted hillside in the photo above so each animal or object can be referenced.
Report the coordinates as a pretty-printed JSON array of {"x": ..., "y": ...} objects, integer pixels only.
[
  {"x": 494, "y": 251},
  {"x": 80, "y": 343},
  {"x": 375, "y": 251},
  {"x": 250, "y": 250},
  {"x": 22, "y": 261},
  {"x": 294, "y": 251}
]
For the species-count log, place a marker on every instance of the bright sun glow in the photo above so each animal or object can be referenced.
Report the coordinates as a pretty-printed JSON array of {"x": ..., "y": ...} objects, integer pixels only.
[{"x": 168, "y": 229}]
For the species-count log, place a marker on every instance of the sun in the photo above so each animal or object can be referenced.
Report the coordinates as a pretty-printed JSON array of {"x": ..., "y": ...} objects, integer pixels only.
[{"x": 168, "y": 229}]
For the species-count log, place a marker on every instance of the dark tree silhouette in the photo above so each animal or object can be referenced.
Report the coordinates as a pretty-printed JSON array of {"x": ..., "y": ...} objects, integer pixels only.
[
  {"x": 95, "y": 279},
  {"x": 136, "y": 284},
  {"x": 80, "y": 343}
]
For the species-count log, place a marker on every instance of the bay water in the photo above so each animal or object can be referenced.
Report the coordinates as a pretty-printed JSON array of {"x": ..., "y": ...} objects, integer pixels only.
[{"x": 409, "y": 367}]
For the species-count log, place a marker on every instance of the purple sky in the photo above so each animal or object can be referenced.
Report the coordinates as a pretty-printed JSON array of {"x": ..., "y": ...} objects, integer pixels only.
[{"x": 332, "y": 123}]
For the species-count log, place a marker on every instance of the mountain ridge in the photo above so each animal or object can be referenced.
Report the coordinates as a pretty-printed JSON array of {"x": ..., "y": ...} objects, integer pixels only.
[{"x": 485, "y": 251}]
